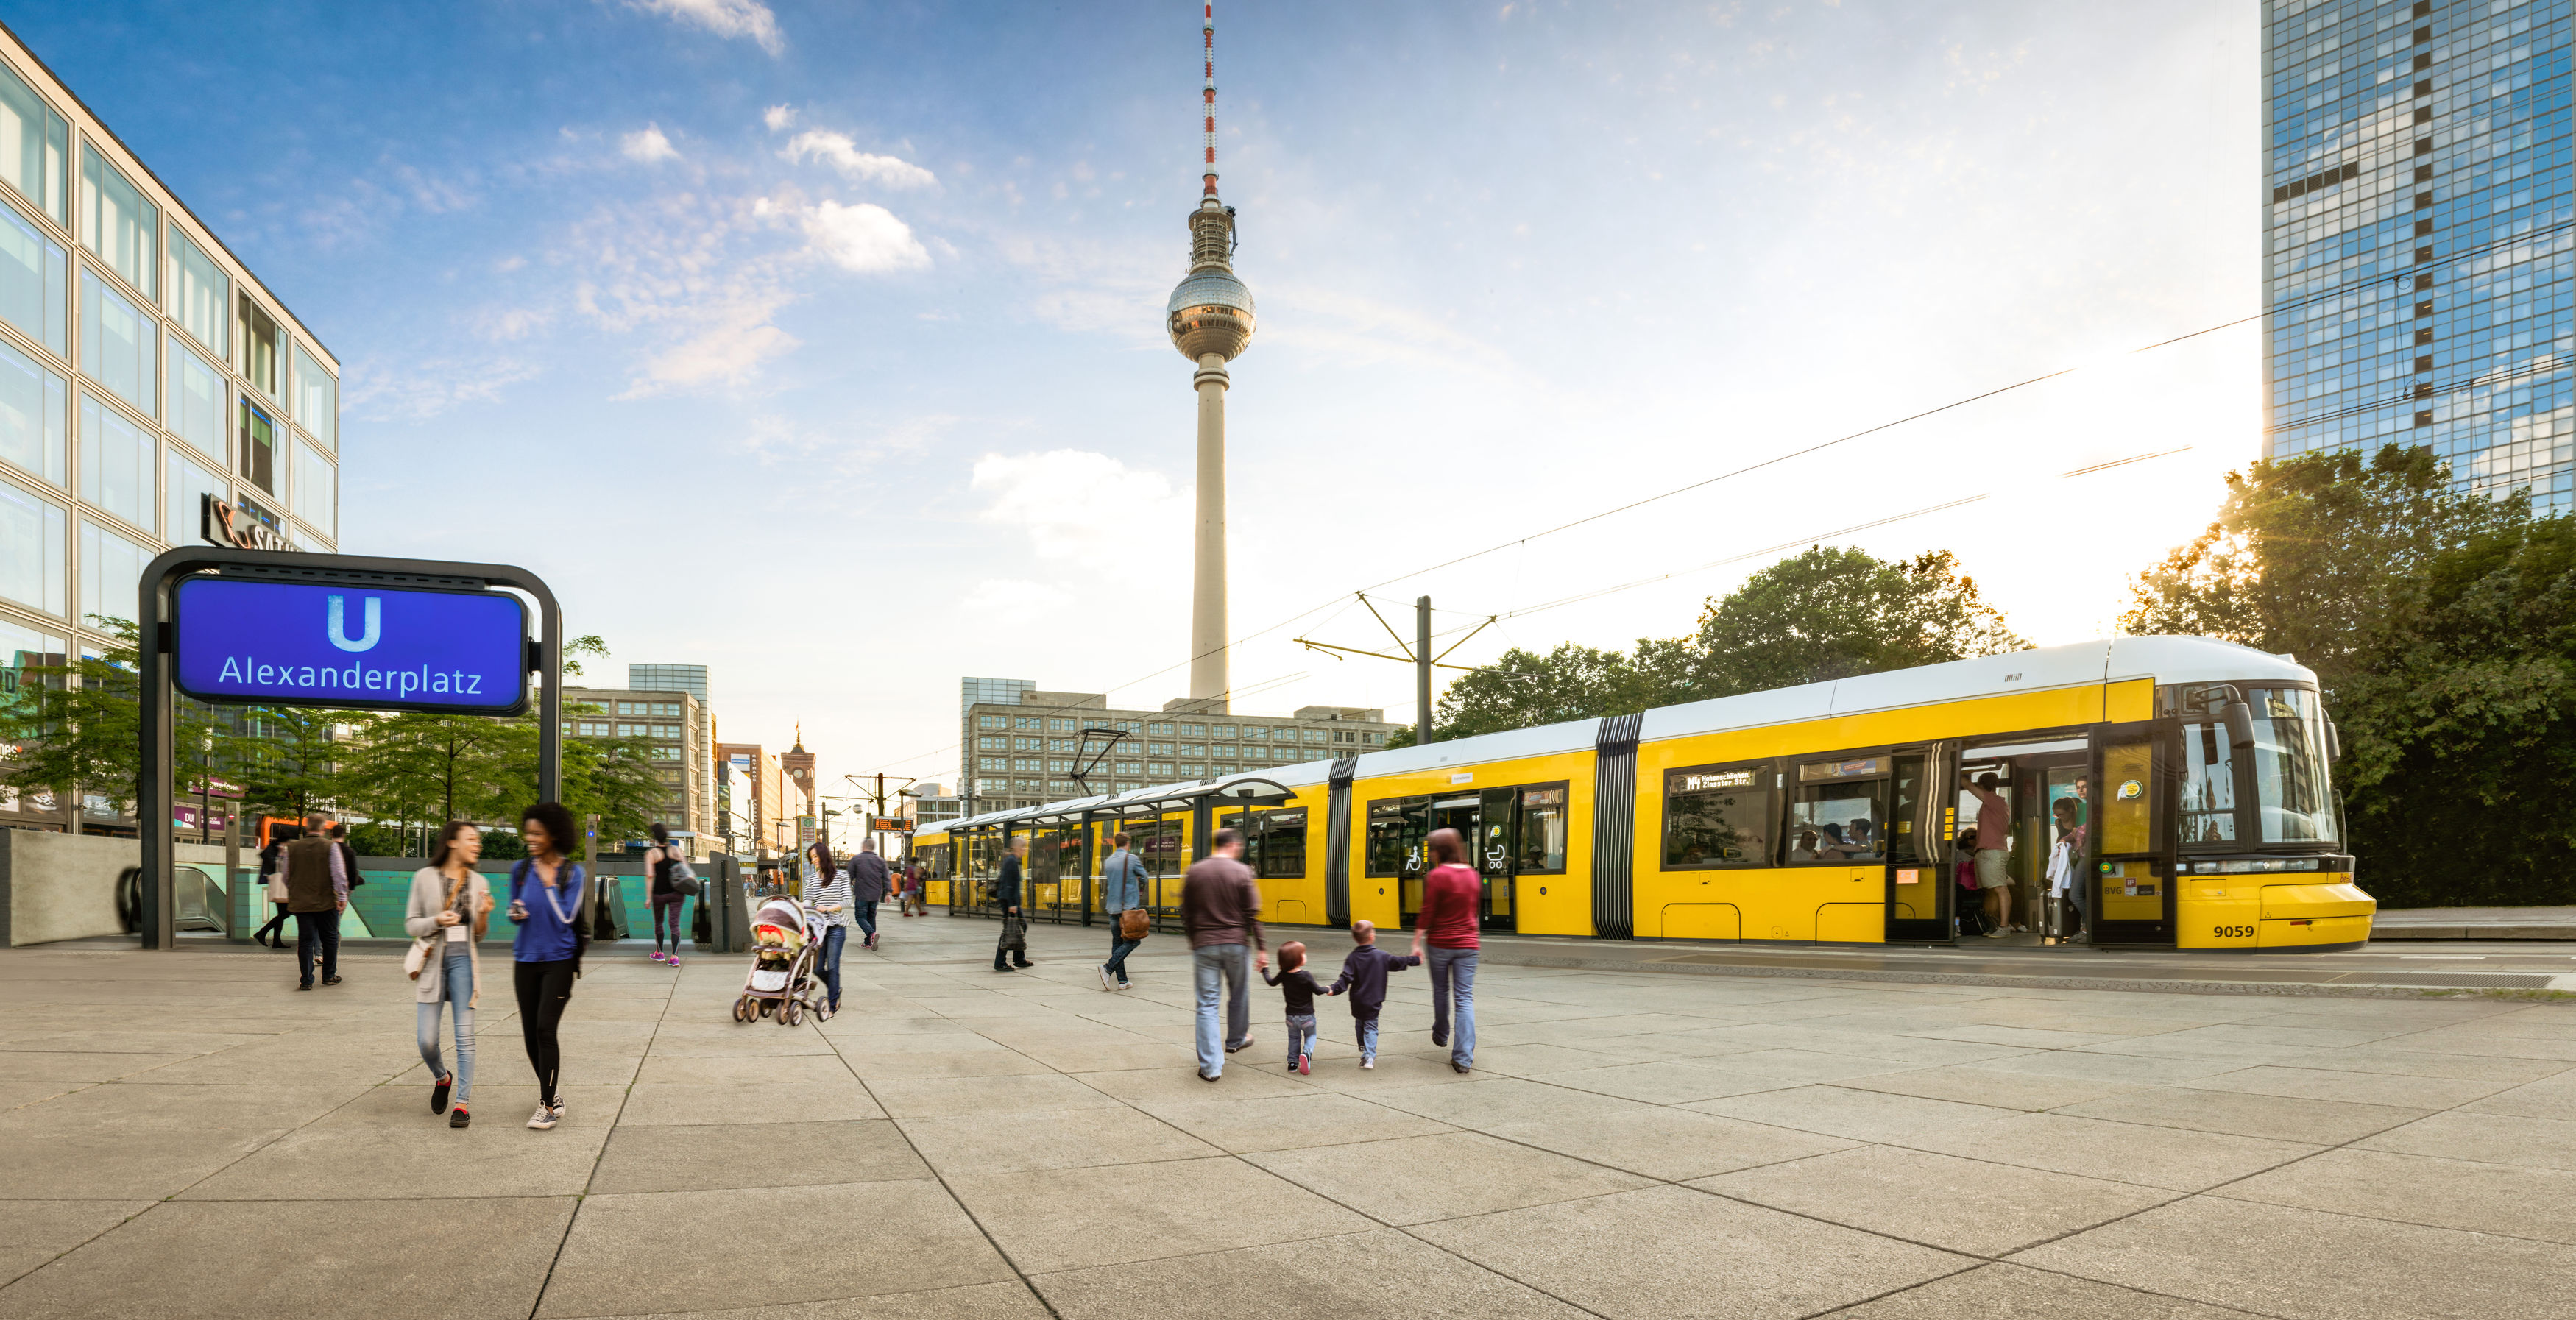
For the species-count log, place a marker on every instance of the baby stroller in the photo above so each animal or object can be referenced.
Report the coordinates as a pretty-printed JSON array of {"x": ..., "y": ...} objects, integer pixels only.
[{"x": 782, "y": 963}]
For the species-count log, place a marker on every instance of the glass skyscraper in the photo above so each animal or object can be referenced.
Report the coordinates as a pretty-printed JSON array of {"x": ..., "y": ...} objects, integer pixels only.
[{"x": 2419, "y": 235}]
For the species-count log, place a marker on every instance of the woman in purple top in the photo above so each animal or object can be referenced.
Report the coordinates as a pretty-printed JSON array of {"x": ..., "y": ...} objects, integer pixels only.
[{"x": 546, "y": 899}]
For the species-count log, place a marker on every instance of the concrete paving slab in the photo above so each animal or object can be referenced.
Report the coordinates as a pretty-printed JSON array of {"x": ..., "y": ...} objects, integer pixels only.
[
  {"x": 255, "y": 1260},
  {"x": 2507, "y": 1199},
  {"x": 976, "y": 1301},
  {"x": 932, "y": 1097},
  {"x": 824, "y": 1068},
  {"x": 63, "y": 1066},
  {"x": 2307, "y": 1083},
  {"x": 750, "y": 1153},
  {"x": 977, "y": 1145},
  {"x": 1856, "y": 1115},
  {"x": 1181, "y": 1207},
  {"x": 2121, "y": 1152},
  {"x": 1669, "y": 1252},
  {"x": 647, "y": 1253},
  {"x": 651, "y": 1104},
  {"x": 1994, "y": 1088},
  {"x": 2552, "y": 1097},
  {"x": 2424, "y": 1063},
  {"x": 1413, "y": 1180},
  {"x": 34, "y": 1232},
  {"x": 1379, "y": 1273},
  {"x": 2540, "y": 1143},
  {"x": 1971, "y": 1206},
  {"x": 2247, "y": 1114},
  {"x": 420, "y": 1159},
  {"x": 2011, "y": 1292},
  {"x": 2197, "y": 1248},
  {"x": 1142, "y": 1085},
  {"x": 1290, "y": 1122}
]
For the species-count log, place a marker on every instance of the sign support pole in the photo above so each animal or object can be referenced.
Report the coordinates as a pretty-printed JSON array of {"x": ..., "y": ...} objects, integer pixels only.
[{"x": 159, "y": 648}]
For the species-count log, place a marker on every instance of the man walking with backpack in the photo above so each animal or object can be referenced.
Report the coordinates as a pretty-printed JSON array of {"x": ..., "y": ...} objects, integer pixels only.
[{"x": 1122, "y": 892}]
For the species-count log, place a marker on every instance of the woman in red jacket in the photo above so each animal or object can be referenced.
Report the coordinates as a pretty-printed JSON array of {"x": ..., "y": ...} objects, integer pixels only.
[{"x": 1451, "y": 893}]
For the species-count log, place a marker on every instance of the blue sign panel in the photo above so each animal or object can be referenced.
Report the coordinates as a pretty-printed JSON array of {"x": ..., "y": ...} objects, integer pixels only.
[{"x": 242, "y": 640}]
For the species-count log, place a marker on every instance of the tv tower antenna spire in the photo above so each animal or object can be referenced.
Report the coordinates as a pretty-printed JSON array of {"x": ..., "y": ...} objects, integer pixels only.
[{"x": 1210, "y": 320}]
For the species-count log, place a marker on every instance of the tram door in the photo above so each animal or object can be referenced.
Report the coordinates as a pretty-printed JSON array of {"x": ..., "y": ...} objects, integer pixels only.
[
  {"x": 1919, "y": 886},
  {"x": 2131, "y": 896},
  {"x": 1496, "y": 850}
]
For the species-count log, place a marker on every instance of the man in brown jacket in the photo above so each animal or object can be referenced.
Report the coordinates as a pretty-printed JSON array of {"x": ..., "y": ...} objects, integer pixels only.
[
  {"x": 317, "y": 891},
  {"x": 1221, "y": 910}
]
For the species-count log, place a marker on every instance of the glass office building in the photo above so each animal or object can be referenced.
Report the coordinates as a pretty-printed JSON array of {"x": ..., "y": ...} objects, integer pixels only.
[
  {"x": 143, "y": 368},
  {"x": 2419, "y": 235}
]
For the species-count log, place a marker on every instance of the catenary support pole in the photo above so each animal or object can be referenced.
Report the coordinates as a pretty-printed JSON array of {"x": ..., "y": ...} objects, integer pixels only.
[{"x": 1422, "y": 670}]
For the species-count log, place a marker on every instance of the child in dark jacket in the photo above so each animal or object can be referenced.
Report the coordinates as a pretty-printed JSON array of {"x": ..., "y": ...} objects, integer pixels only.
[
  {"x": 1299, "y": 986},
  {"x": 1364, "y": 977}
]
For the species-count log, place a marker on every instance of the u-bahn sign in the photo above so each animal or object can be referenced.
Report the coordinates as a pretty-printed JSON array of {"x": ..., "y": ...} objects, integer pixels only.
[{"x": 350, "y": 644}]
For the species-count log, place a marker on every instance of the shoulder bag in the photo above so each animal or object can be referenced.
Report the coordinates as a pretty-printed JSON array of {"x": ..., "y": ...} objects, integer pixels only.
[
  {"x": 1015, "y": 932},
  {"x": 683, "y": 880}
]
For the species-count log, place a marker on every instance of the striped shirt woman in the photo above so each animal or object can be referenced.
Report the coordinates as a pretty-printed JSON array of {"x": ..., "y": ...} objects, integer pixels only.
[{"x": 827, "y": 890}]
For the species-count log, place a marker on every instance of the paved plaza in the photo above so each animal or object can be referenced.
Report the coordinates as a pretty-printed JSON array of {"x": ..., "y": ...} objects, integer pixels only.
[{"x": 185, "y": 1135}]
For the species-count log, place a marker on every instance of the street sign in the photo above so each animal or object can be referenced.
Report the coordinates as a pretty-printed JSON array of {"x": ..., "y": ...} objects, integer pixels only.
[
  {"x": 240, "y": 640},
  {"x": 880, "y": 823}
]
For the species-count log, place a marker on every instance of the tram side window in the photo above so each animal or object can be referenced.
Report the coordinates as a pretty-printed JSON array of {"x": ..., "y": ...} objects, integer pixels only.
[
  {"x": 1283, "y": 845},
  {"x": 2207, "y": 812},
  {"x": 1395, "y": 835},
  {"x": 1542, "y": 836},
  {"x": 1840, "y": 812},
  {"x": 1717, "y": 817}
]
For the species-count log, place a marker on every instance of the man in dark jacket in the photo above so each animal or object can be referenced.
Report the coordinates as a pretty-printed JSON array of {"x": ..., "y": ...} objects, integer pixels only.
[
  {"x": 867, "y": 889},
  {"x": 348, "y": 855},
  {"x": 1006, "y": 896},
  {"x": 317, "y": 890},
  {"x": 1221, "y": 911}
]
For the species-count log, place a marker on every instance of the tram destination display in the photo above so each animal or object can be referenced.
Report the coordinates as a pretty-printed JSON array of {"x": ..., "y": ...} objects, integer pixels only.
[{"x": 350, "y": 644}]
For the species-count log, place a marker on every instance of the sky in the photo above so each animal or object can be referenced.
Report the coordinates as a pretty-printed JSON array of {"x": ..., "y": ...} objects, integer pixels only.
[{"x": 821, "y": 343}]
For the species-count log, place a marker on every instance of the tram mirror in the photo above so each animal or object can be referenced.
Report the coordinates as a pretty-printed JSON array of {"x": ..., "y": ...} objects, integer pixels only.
[
  {"x": 2240, "y": 726},
  {"x": 2334, "y": 744}
]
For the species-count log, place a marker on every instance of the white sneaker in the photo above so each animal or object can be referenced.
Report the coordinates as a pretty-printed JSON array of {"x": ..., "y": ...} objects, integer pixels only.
[
  {"x": 545, "y": 1118},
  {"x": 1107, "y": 982},
  {"x": 1368, "y": 1063}
]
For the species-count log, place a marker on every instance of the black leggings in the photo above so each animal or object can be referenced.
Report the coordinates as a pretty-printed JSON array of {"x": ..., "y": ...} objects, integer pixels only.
[
  {"x": 276, "y": 923},
  {"x": 544, "y": 988}
]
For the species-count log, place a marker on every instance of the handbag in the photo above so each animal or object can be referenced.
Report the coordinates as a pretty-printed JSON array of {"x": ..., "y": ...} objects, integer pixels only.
[
  {"x": 416, "y": 959},
  {"x": 1015, "y": 933},
  {"x": 1133, "y": 924}
]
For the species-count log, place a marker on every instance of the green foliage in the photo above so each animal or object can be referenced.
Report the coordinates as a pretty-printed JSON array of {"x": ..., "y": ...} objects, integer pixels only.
[
  {"x": 425, "y": 769},
  {"x": 1828, "y": 613},
  {"x": 2442, "y": 626},
  {"x": 80, "y": 724},
  {"x": 290, "y": 758}
]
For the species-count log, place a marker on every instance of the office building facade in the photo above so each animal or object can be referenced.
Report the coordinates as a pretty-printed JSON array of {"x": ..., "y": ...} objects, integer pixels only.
[
  {"x": 153, "y": 393},
  {"x": 1022, "y": 750},
  {"x": 672, "y": 721},
  {"x": 2419, "y": 236},
  {"x": 691, "y": 679}
]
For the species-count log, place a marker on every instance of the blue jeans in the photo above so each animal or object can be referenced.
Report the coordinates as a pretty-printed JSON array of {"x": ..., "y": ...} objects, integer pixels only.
[
  {"x": 1301, "y": 1036},
  {"x": 830, "y": 961},
  {"x": 1367, "y": 1029},
  {"x": 1221, "y": 971},
  {"x": 1119, "y": 948},
  {"x": 1454, "y": 967},
  {"x": 865, "y": 913},
  {"x": 458, "y": 993}
]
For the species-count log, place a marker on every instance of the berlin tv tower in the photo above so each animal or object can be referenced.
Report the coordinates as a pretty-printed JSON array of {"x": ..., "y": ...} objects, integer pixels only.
[{"x": 1211, "y": 322}]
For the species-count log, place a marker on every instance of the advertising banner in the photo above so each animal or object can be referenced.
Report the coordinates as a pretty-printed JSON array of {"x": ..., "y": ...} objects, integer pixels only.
[{"x": 243, "y": 640}]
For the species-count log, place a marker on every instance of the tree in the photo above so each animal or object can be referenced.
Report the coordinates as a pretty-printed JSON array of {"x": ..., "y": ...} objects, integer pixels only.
[
  {"x": 1839, "y": 612},
  {"x": 1826, "y": 614},
  {"x": 424, "y": 768},
  {"x": 77, "y": 727},
  {"x": 290, "y": 757},
  {"x": 2321, "y": 556}
]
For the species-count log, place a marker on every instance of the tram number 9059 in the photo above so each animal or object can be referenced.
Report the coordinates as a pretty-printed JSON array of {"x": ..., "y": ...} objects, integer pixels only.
[{"x": 2232, "y": 932}]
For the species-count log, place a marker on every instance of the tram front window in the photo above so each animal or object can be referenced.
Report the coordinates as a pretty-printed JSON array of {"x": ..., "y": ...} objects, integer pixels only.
[
  {"x": 2293, "y": 798},
  {"x": 2207, "y": 813}
]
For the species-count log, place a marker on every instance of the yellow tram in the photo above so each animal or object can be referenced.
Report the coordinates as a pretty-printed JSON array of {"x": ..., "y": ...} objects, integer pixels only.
[{"x": 2166, "y": 791}]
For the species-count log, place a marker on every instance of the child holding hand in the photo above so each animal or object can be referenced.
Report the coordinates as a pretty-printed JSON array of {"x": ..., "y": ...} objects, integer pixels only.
[
  {"x": 1364, "y": 977},
  {"x": 1298, "y": 985}
]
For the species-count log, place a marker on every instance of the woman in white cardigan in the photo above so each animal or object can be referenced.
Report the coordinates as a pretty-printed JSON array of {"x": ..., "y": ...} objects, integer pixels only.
[{"x": 451, "y": 908}]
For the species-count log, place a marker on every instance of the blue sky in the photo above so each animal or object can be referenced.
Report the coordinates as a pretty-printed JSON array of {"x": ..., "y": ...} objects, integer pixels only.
[{"x": 822, "y": 343}]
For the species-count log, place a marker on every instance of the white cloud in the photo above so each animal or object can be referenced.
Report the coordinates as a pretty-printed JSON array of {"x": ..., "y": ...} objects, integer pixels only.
[
  {"x": 725, "y": 18},
  {"x": 732, "y": 339},
  {"x": 1084, "y": 509},
  {"x": 866, "y": 238},
  {"x": 839, "y": 152},
  {"x": 424, "y": 387},
  {"x": 647, "y": 145},
  {"x": 778, "y": 117}
]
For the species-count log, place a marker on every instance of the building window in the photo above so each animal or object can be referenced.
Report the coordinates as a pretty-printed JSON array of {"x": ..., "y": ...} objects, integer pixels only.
[
  {"x": 1193, "y": 730},
  {"x": 988, "y": 722},
  {"x": 196, "y": 401},
  {"x": 1256, "y": 732},
  {"x": 258, "y": 464},
  {"x": 317, "y": 399},
  {"x": 1159, "y": 769},
  {"x": 316, "y": 489},
  {"x": 33, "y": 144},
  {"x": 116, "y": 464},
  {"x": 110, "y": 565},
  {"x": 1158, "y": 749},
  {"x": 31, "y": 279},
  {"x": 118, "y": 343},
  {"x": 199, "y": 294},
  {"x": 1060, "y": 726},
  {"x": 258, "y": 357},
  {"x": 187, "y": 485},
  {"x": 118, "y": 225},
  {"x": 1193, "y": 749},
  {"x": 1159, "y": 728},
  {"x": 992, "y": 744},
  {"x": 1223, "y": 731},
  {"x": 31, "y": 415},
  {"x": 31, "y": 550}
]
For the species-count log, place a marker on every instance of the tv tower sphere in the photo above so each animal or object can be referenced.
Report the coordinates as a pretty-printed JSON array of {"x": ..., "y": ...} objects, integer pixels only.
[{"x": 1211, "y": 310}]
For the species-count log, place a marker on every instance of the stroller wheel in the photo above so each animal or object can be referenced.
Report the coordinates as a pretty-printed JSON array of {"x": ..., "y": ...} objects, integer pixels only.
[
  {"x": 792, "y": 1014},
  {"x": 739, "y": 1005},
  {"x": 765, "y": 1006}
]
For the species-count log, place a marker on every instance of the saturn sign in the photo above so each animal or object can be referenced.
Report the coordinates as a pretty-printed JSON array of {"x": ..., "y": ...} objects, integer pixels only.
[{"x": 242, "y": 640}]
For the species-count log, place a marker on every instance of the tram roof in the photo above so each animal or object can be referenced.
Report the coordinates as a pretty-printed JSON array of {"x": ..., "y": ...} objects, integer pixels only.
[{"x": 2077, "y": 664}]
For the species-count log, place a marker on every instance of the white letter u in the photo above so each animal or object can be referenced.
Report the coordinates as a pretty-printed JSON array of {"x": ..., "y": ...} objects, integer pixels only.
[{"x": 340, "y": 627}]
